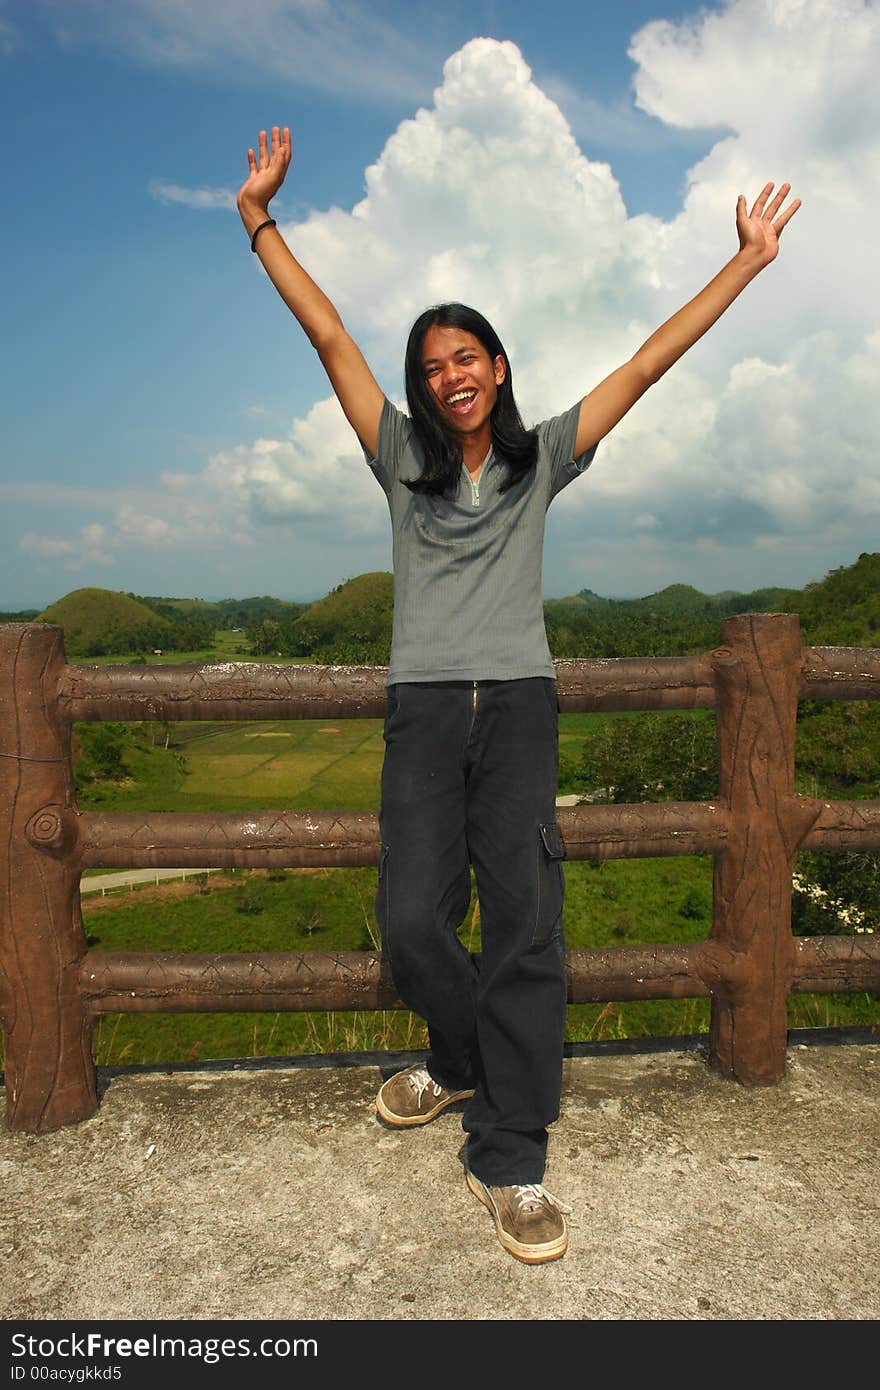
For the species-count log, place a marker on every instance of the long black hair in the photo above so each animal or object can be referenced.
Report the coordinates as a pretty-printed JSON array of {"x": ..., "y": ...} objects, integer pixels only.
[{"x": 516, "y": 445}]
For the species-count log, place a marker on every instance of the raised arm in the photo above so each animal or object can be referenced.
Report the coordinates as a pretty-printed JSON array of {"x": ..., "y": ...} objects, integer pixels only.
[
  {"x": 759, "y": 233},
  {"x": 355, "y": 386}
]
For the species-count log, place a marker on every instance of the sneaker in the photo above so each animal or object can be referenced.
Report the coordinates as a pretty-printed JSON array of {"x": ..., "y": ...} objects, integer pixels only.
[
  {"x": 529, "y": 1220},
  {"x": 413, "y": 1097}
]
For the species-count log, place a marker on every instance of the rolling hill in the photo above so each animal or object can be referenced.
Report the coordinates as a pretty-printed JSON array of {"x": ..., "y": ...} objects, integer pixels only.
[{"x": 98, "y": 620}]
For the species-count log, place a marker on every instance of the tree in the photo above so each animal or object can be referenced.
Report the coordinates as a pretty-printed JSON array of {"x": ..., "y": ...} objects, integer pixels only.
[
  {"x": 653, "y": 757},
  {"x": 264, "y": 637}
]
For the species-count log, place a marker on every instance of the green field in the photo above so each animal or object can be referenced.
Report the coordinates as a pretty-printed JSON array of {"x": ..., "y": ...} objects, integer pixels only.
[
  {"x": 621, "y": 903},
  {"x": 333, "y": 765},
  {"x": 226, "y": 645},
  {"x": 298, "y": 764}
]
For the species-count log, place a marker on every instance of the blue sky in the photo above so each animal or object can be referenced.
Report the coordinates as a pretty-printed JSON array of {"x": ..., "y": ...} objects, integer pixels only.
[{"x": 167, "y": 428}]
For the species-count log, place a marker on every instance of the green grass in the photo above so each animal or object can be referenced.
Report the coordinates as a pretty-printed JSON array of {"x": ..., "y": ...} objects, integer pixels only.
[
  {"x": 304, "y": 764},
  {"x": 226, "y": 645},
  {"x": 621, "y": 903}
]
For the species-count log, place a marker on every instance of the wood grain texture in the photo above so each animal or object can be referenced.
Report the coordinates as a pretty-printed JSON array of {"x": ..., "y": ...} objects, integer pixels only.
[
  {"x": 757, "y": 673},
  {"x": 50, "y": 1074},
  {"x": 152, "y": 982}
]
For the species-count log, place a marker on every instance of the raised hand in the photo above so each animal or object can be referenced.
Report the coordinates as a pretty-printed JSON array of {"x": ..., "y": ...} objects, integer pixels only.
[
  {"x": 759, "y": 230},
  {"x": 266, "y": 169}
]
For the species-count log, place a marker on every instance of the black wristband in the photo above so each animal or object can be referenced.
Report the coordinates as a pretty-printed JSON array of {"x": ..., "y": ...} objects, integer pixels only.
[{"x": 269, "y": 222}]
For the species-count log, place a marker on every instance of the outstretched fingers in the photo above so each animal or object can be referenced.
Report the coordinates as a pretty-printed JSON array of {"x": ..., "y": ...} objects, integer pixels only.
[
  {"x": 769, "y": 213},
  {"x": 778, "y": 201},
  {"x": 758, "y": 206},
  {"x": 786, "y": 216},
  {"x": 267, "y": 164},
  {"x": 276, "y": 148}
]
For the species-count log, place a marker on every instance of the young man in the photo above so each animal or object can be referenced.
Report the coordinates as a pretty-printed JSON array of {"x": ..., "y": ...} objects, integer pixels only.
[{"x": 470, "y": 767}]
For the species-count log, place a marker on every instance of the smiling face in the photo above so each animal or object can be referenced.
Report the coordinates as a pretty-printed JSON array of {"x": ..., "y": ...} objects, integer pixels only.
[{"x": 462, "y": 378}]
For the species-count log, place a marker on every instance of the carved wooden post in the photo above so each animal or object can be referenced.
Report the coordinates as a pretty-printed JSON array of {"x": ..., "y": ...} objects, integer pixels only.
[
  {"x": 50, "y": 1072},
  {"x": 757, "y": 675}
]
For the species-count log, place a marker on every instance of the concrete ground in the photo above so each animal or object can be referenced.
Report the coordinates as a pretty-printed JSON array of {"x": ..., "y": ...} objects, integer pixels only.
[{"x": 237, "y": 1193}]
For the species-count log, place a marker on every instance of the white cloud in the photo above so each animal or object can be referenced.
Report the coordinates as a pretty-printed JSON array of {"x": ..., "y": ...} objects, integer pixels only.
[
  {"x": 618, "y": 125},
  {"x": 781, "y": 449},
  {"x": 317, "y": 476},
  {"x": 89, "y": 547},
  {"x": 203, "y": 199},
  {"x": 789, "y": 75},
  {"x": 484, "y": 198},
  {"x": 335, "y": 46},
  {"x": 768, "y": 429},
  {"x": 795, "y": 83}
]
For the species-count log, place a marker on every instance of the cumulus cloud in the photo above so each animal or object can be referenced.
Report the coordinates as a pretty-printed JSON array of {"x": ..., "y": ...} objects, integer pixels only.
[
  {"x": 794, "y": 76},
  {"x": 783, "y": 448},
  {"x": 769, "y": 429},
  {"x": 796, "y": 85},
  {"x": 486, "y": 197},
  {"x": 317, "y": 476}
]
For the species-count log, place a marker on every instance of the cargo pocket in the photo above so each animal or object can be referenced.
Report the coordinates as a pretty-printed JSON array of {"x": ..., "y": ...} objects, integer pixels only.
[
  {"x": 392, "y": 705},
  {"x": 382, "y": 904},
  {"x": 551, "y": 885}
]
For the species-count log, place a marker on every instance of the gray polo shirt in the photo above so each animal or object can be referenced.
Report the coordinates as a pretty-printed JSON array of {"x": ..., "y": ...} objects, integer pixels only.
[{"x": 467, "y": 569}]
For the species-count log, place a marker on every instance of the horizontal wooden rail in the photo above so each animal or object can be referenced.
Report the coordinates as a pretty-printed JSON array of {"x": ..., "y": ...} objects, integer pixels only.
[
  {"x": 295, "y": 839},
  {"x": 332, "y": 839},
  {"x": 635, "y": 683},
  {"x": 264, "y": 839},
  {"x": 251, "y": 690},
  {"x": 840, "y": 673},
  {"x": 837, "y": 964},
  {"x": 148, "y": 982},
  {"x": 844, "y": 825},
  {"x": 231, "y": 691}
]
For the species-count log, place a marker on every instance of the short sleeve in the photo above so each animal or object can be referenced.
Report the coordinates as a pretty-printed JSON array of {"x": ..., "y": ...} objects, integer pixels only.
[
  {"x": 557, "y": 438},
  {"x": 395, "y": 442}
]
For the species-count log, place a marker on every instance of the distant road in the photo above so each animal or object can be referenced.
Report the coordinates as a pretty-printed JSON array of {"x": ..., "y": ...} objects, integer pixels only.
[{"x": 126, "y": 878}]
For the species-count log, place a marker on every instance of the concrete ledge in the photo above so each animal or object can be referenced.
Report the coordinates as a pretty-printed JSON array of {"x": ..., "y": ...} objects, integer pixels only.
[{"x": 275, "y": 1194}]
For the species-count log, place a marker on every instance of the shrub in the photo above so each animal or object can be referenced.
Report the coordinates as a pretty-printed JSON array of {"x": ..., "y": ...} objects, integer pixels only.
[
  {"x": 249, "y": 900},
  {"x": 694, "y": 907}
]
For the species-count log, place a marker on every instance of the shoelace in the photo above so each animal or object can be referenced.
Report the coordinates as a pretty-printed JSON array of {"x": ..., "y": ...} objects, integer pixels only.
[
  {"x": 420, "y": 1080},
  {"x": 529, "y": 1195}
]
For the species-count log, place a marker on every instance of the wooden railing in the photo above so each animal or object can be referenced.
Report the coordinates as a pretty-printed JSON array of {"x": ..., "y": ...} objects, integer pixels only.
[{"x": 52, "y": 986}]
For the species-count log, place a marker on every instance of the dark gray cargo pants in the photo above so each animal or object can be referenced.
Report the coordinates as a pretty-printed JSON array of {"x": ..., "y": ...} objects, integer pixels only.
[{"x": 470, "y": 777}]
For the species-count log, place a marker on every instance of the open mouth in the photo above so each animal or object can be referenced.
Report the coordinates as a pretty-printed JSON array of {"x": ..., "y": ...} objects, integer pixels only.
[{"x": 460, "y": 402}]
